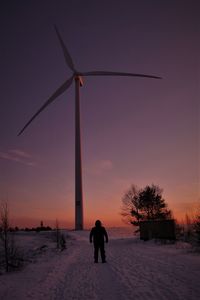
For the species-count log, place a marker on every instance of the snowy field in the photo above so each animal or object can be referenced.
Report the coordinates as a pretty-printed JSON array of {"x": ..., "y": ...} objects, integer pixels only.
[{"x": 134, "y": 270}]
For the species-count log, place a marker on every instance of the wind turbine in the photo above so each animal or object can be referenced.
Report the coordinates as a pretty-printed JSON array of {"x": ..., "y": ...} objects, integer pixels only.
[{"x": 77, "y": 78}]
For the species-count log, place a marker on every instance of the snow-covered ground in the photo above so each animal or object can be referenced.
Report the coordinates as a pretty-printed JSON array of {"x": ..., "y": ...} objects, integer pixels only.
[{"x": 134, "y": 270}]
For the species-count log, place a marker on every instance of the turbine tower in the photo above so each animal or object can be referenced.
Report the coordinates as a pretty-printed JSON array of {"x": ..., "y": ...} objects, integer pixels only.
[{"x": 77, "y": 77}]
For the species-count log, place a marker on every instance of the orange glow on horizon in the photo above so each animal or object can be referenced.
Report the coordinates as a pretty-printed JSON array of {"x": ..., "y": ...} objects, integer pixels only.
[
  {"x": 105, "y": 208},
  {"x": 108, "y": 220}
]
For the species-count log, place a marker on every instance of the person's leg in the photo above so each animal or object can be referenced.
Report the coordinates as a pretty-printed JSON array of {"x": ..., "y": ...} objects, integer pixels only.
[
  {"x": 96, "y": 251},
  {"x": 103, "y": 255}
]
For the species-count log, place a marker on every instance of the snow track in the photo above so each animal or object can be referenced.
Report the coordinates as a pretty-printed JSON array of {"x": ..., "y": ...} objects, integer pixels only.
[{"x": 135, "y": 270}]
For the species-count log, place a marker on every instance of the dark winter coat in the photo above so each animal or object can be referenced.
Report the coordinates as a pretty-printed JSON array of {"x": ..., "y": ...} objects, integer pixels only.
[{"x": 97, "y": 235}]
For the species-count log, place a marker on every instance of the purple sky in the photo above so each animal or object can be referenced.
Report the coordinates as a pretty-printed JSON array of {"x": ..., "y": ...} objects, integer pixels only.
[{"x": 134, "y": 130}]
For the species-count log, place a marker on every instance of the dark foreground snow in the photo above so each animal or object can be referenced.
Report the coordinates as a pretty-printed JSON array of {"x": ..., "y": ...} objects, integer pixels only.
[{"x": 135, "y": 270}]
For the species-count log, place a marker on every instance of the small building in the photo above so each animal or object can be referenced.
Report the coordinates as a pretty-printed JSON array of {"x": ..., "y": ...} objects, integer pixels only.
[{"x": 157, "y": 229}]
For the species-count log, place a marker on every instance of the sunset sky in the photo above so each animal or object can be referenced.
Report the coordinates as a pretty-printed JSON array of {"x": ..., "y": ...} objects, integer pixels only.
[{"x": 134, "y": 130}]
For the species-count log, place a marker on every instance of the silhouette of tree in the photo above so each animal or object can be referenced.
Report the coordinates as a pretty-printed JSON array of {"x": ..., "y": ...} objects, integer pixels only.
[
  {"x": 188, "y": 229},
  {"x": 5, "y": 232},
  {"x": 130, "y": 206},
  {"x": 57, "y": 234},
  {"x": 197, "y": 226},
  {"x": 144, "y": 205},
  {"x": 12, "y": 258},
  {"x": 60, "y": 237}
]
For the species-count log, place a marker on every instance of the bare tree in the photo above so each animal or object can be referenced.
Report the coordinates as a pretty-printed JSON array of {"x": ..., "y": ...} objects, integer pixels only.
[
  {"x": 12, "y": 256},
  {"x": 188, "y": 232},
  {"x": 197, "y": 226},
  {"x": 60, "y": 238},
  {"x": 57, "y": 234},
  {"x": 130, "y": 206},
  {"x": 4, "y": 219}
]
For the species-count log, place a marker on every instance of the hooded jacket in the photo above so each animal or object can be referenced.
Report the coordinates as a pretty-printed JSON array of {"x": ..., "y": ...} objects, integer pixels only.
[{"x": 98, "y": 233}]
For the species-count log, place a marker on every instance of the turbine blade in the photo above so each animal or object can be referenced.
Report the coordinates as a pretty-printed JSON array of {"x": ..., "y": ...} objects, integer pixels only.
[
  {"x": 110, "y": 73},
  {"x": 67, "y": 56},
  {"x": 57, "y": 93}
]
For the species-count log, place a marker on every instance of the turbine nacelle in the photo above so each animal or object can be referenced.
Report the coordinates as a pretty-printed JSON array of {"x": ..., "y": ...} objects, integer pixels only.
[{"x": 79, "y": 78}]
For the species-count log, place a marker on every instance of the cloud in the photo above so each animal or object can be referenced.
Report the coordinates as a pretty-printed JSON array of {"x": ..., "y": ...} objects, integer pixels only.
[
  {"x": 105, "y": 164},
  {"x": 20, "y": 153},
  {"x": 18, "y": 156},
  {"x": 99, "y": 167}
]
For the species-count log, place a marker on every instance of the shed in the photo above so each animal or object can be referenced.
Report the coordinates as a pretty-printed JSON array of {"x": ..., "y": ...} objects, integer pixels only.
[{"x": 157, "y": 229}]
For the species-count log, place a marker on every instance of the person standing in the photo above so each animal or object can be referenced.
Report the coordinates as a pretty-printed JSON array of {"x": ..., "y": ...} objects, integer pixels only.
[{"x": 97, "y": 235}]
